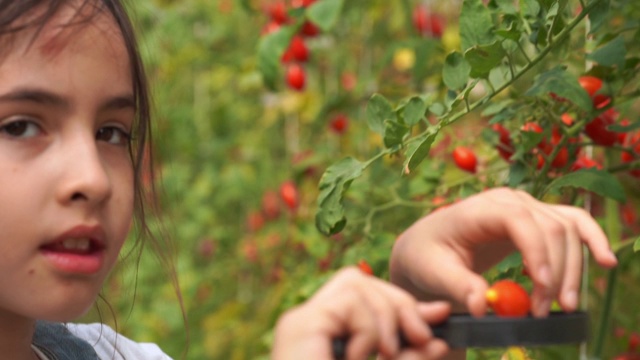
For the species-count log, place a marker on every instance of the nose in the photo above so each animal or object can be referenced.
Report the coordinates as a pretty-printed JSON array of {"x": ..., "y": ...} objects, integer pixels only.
[{"x": 85, "y": 178}]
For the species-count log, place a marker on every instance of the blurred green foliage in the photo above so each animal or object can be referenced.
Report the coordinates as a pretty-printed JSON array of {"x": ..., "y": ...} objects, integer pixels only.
[{"x": 225, "y": 143}]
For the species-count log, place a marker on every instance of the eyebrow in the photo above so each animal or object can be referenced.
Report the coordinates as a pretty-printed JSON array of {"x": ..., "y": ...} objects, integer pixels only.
[{"x": 44, "y": 97}]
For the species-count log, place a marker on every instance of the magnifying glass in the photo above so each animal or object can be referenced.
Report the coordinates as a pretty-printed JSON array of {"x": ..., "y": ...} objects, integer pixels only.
[{"x": 461, "y": 331}]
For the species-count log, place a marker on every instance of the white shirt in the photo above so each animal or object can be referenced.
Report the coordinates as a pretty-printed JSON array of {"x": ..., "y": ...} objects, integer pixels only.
[{"x": 109, "y": 345}]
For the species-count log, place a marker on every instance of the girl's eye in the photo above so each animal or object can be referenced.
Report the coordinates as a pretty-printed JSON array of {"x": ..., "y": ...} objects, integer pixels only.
[
  {"x": 21, "y": 129},
  {"x": 113, "y": 135}
]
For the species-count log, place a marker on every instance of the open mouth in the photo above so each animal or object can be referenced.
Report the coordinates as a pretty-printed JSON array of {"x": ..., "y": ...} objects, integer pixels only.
[{"x": 79, "y": 246}]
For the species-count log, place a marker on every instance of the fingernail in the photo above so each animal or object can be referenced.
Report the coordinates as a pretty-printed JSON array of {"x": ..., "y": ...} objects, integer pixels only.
[
  {"x": 570, "y": 299},
  {"x": 544, "y": 276}
]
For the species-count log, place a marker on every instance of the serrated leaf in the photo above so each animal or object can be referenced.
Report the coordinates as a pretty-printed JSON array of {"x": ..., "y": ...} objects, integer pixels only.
[
  {"x": 511, "y": 33},
  {"x": 414, "y": 111},
  {"x": 417, "y": 152},
  {"x": 335, "y": 181},
  {"x": 636, "y": 245},
  {"x": 379, "y": 110},
  {"x": 270, "y": 50},
  {"x": 598, "y": 181},
  {"x": 456, "y": 70},
  {"x": 325, "y": 13},
  {"x": 394, "y": 134},
  {"x": 476, "y": 26},
  {"x": 563, "y": 84},
  {"x": 611, "y": 54},
  {"x": 483, "y": 58}
]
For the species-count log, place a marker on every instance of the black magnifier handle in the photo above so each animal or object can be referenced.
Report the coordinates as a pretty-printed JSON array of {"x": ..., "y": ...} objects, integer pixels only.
[{"x": 461, "y": 331}]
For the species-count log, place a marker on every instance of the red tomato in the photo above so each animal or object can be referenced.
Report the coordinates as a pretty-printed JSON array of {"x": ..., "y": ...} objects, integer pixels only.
[
  {"x": 592, "y": 85},
  {"x": 277, "y": 11},
  {"x": 270, "y": 205},
  {"x": 289, "y": 195},
  {"x": 505, "y": 147},
  {"x": 629, "y": 217},
  {"x": 309, "y": 29},
  {"x": 597, "y": 130},
  {"x": 297, "y": 50},
  {"x": 296, "y": 77},
  {"x": 255, "y": 221},
  {"x": 365, "y": 267},
  {"x": 507, "y": 298},
  {"x": 348, "y": 81},
  {"x": 585, "y": 162},
  {"x": 339, "y": 123},
  {"x": 427, "y": 23},
  {"x": 465, "y": 158},
  {"x": 634, "y": 342}
]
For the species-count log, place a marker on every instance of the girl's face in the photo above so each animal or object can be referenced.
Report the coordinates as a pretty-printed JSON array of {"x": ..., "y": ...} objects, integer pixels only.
[{"x": 66, "y": 177}]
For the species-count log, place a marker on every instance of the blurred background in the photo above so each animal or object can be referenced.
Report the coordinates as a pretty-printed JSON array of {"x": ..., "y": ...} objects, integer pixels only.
[{"x": 240, "y": 155}]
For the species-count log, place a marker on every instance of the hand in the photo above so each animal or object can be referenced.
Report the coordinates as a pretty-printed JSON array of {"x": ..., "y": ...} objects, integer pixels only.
[
  {"x": 442, "y": 254},
  {"x": 369, "y": 311}
]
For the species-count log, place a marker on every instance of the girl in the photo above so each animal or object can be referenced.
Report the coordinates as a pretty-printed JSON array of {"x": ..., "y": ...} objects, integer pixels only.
[{"x": 74, "y": 123}]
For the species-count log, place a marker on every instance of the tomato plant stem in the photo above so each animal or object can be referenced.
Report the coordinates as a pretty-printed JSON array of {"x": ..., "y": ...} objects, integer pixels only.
[{"x": 613, "y": 231}]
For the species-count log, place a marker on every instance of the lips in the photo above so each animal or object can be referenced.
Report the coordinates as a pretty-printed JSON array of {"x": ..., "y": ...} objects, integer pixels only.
[{"x": 80, "y": 250}]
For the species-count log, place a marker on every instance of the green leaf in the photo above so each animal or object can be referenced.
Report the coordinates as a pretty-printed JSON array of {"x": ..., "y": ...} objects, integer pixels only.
[
  {"x": 636, "y": 245},
  {"x": 483, "y": 58},
  {"x": 476, "y": 26},
  {"x": 611, "y": 54},
  {"x": 418, "y": 151},
  {"x": 335, "y": 181},
  {"x": 379, "y": 110},
  {"x": 437, "y": 109},
  {"x": 325, "y": 13},
  {"x": 414, "y": 111},
  {"x": 598, "y": 181},
  {"x": 511, "y": 33},
  {"x": 563, "y": 84},
  {"x": 514, "y": 260},
  {"x": 599, "y": 14},
  {"x": 270, "y": 50},
  {"x": 394, "y": 133},
  {"x": 529, "y": 8},
  {"x": 517, "y": 174},
  {"x": 455, "y": 72}
]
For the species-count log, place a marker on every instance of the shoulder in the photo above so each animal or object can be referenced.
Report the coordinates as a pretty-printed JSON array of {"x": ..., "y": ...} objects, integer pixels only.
[{"x": 109, "y": 344}]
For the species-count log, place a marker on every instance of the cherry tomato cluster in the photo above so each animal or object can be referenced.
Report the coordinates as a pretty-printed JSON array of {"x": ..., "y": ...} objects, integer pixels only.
[
  {"x": 508, "y": 299},
  {"x": 428, "y": 23},
  {"x": 597, "y": 130},
  {"x": 297, "y": 54}
]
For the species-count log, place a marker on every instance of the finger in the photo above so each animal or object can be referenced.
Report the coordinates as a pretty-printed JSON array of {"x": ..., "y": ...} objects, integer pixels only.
[
  {"x": 591, "y": 234},
  {"x": 409, "y": 319},
  {"x": 559, "y": 235},
  {"x": 568, "y": 296}
]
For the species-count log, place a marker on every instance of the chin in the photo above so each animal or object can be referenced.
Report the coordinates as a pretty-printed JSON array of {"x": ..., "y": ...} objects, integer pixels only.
[{"x": 66, "y": 310}]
